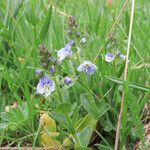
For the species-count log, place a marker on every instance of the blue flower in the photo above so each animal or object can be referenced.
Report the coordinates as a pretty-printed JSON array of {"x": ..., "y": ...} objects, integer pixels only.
[
  {"x": 67, "y": 80},
  {"x": 45, "y": 86},
  {"x": 64, "y": 52},
  {"x": 52, "y": 69},
  {"x": 87, "y": 67},
  {"x": 109, "y": 57}
]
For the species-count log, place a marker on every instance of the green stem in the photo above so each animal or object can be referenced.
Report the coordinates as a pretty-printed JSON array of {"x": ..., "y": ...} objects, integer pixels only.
[{"x": 58, "y": 90}]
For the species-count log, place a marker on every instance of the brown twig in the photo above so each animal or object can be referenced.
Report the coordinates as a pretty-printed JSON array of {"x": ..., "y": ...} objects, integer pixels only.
[{"x": 125, "y": 78}]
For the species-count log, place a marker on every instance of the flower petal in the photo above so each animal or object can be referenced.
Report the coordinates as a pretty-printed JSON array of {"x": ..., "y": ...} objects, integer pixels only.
[
  {"x": 61, "y": 54},
  {"x": 40, "y": 89},
  {"x": 81, "y": 67},
  {"x": 52, "y": 86}
]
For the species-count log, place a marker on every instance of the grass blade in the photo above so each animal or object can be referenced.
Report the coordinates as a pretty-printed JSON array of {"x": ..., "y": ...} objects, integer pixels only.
[{"x": 132, "y": 85}]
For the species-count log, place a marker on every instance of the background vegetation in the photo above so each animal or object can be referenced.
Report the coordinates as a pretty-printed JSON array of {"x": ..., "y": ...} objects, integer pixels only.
[{"x": 89, "y": 112}]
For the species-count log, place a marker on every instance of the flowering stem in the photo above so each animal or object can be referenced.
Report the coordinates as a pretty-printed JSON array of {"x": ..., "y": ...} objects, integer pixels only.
[
  {"x": 58, "y": 90},
  {"x": 72, "y": 69}
]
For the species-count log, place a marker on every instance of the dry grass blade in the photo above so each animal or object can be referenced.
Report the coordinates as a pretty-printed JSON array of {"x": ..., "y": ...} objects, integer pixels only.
[{"x": 125, "y": 78}]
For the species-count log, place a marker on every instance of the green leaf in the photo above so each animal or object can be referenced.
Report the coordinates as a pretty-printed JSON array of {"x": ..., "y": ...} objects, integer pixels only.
[
  {"x": 46, "y": 24},
  {"x": 3, "y": 126},
  {"x": 85, "y": 135},
  {"x": 96, "y": 109},
  {"x": 65, "y": 96},
  {"x": 87, "y": 120},
  {"x": 88, "y": 105},
  {"x": 132, "y": 85},
  {"x": 135, "y": 112},
  {"x": 102, "y": 108},
  {"x": 16, "y": 117},
  {"x": 64, "y": 108},
  {"x": 32, "y": 18},
  {"x": 58, "y": 116}
]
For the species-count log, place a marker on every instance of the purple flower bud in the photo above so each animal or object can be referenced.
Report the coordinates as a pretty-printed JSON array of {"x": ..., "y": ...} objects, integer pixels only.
[
  {"x": 78, "y": 34},
  {"x": 72, "y": 42},
  {"x": 118, "y": 52},
  {"x": 123, "y": 57},
  {"x": 67, "y": 80},
  {"x": 52, "y": 69},
  {"x": 38, "y": 71}
]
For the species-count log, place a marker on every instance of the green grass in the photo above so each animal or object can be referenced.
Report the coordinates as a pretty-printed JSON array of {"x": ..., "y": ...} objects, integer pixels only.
[{"x": 90, "y": 106}]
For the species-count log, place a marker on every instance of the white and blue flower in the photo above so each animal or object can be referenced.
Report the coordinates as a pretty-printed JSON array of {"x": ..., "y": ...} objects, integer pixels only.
[
  {"x": 109, "y": 57},
  {"x": 87, "y": 67},
  {"x": 64, "y": 52},
  {"x": 45, "y": 86}
]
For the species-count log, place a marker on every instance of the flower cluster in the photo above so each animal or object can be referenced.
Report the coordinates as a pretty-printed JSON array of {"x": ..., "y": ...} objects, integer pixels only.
[
  {"x": 46, "y": 85},
  {"x": 109, "y": 57},
  {"x": 112, "y": 48}
]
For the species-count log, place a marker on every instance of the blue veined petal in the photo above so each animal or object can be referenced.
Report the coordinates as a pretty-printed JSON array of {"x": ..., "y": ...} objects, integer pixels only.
[
  {"x": 87, "y": 67},
  {"x": 52, "y": 86},
  {"x": 91, "y": 69},
  {"x": 64, "y": 52},
  {"x": 45, "y": 80},
  {"x": 40, "y": 88},
  {"x": 81, "y": 67}
]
